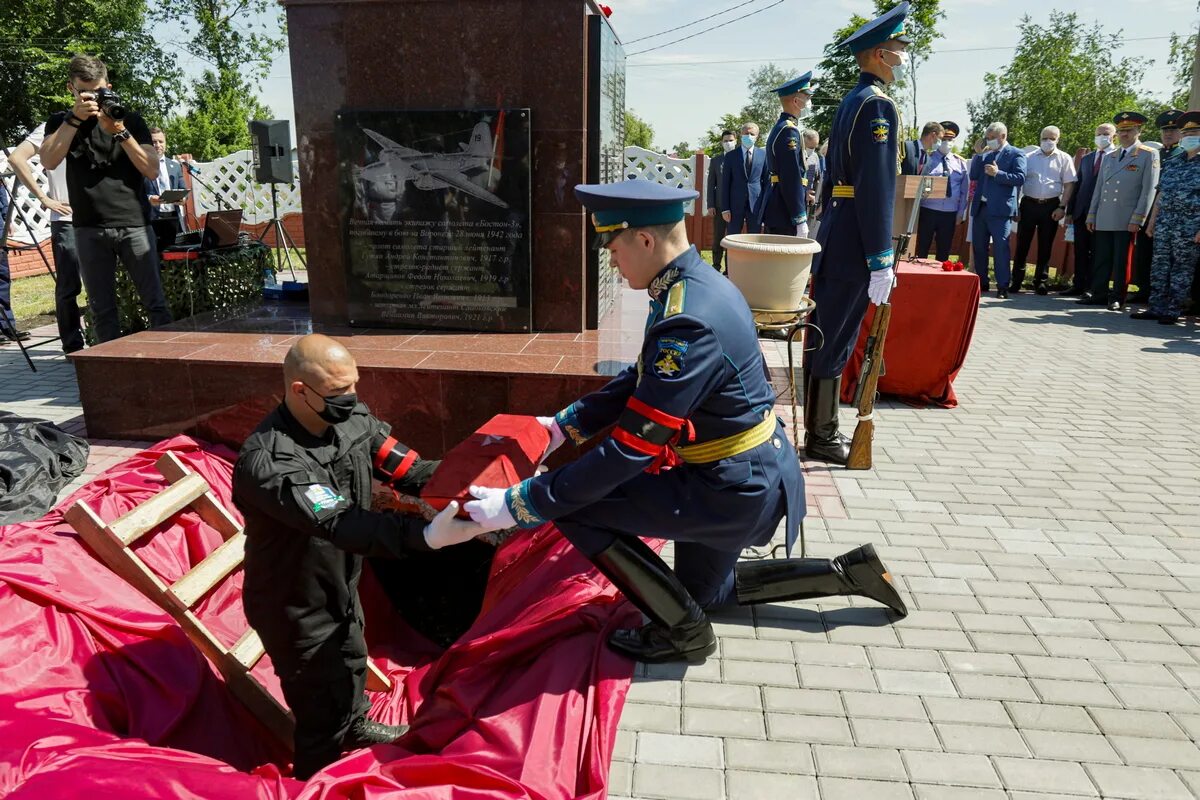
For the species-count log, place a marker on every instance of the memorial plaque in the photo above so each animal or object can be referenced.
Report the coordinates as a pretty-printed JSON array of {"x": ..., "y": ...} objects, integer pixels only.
[{"x": 435, "y": 218}]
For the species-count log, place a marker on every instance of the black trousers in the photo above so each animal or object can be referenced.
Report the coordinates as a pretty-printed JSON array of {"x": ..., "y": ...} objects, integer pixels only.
[
  {"x": 935, "y": 226},
  {"x": 718, "y": 252},
  {"x": 1143, "y": 257},
  {"x": 67, "y": 287},
  {"x": 1085, "y": 247},
  {"x": 1111, "y": 261},
  {"x": 1035, "y": 218}
]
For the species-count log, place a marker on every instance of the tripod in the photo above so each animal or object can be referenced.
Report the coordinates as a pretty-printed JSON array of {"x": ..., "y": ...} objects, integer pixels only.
[
  {"x": 9, "y": 325},
  {"x": 283, "y": 240}
]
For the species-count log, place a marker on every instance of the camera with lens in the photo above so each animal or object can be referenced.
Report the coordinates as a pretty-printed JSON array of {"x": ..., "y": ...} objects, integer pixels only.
[{"x": 110, "y": 103}]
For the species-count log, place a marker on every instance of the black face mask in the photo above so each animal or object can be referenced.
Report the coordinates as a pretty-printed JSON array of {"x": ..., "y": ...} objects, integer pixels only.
[{"x": 337, "y": 408}]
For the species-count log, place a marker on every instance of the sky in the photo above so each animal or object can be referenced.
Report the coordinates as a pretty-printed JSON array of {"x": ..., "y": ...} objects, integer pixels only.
[{"x": 681, "y": 99}]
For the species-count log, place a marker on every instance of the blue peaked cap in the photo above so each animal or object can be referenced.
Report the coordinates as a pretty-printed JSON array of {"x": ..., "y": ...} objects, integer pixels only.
[
  {"x": 885, "y": 27},
  {"x": 633, "y": 203},
  {"x": 800, "y": 84}
]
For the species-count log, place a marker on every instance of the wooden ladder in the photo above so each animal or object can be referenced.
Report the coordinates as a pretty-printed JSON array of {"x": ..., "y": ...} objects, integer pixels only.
[{"x": 112, "y": 541}]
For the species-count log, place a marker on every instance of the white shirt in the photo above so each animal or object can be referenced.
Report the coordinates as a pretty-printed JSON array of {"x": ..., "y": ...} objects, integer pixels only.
[
  {"x": 164, "y": 183},
  {"x": 55, "y": 178},
  {"x": 1046, "y": 175}
]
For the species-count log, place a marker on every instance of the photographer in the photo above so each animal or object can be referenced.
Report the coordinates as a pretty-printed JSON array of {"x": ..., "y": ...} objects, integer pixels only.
[{"x": 108, "y": 154}]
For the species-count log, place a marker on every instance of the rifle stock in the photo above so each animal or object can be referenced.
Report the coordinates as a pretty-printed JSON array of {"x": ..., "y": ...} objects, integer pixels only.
[{"x": 868, "y": 384}]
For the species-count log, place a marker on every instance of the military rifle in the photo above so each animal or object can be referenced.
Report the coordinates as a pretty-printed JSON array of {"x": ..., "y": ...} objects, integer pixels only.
[{"x": 872, "y": 366}]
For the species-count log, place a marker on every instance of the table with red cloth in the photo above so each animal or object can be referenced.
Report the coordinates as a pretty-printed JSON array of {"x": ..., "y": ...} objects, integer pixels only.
[{"x": 933, "y": 317}]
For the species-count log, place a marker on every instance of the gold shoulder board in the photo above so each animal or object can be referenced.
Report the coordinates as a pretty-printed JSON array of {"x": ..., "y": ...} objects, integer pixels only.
[{"x": 674, "y": 300}]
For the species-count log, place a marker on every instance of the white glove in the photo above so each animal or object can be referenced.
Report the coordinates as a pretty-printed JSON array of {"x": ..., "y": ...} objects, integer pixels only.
[
  {"x": 488, "y": 510},
  {"x": 802, "y": 229},
  {"x": 557, "y": 437},
  {"x": 881, "y": 285},
  {"x": 445, "y": 529}
]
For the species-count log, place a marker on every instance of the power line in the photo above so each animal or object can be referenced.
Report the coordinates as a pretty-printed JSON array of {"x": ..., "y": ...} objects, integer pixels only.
[
  {"x": 687, "y": 25},
  {"x": 706, "y": 30},
  {"x": 818, "y": 57}
]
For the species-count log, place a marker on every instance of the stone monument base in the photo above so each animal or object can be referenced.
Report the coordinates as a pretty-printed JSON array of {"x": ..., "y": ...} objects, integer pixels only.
[{"x": 215, "y": 379}]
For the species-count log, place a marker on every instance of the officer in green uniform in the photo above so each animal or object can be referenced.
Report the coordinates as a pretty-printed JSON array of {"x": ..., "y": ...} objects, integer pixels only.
[{"x": 303, "y": 484}]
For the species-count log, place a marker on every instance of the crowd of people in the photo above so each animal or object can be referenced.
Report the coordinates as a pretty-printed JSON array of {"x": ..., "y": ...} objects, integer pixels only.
[
  {"x": 1131, "y": 209},
  {"x": 106, "y": 171}
]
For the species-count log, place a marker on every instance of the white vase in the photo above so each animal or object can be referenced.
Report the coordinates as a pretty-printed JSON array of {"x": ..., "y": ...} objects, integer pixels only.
[{"x": 771, "y": 271}]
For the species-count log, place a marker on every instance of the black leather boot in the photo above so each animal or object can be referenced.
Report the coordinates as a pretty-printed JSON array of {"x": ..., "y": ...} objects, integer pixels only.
[
  {"x": 679, "y": 629},
  {"x": 859, "y": 573},
  {"x": 365, "y": 732},
  {"x": 822, "y": 441}
]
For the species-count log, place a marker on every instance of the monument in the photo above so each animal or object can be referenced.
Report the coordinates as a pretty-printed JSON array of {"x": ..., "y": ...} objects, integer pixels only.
[{"x": 438, "y": 146}]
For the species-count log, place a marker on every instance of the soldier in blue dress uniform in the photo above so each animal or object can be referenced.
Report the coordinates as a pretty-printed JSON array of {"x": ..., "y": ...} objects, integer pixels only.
[
  {"x": 697, "y": 454},
  {"x": 786, "y": 208},
  {"x": 856, "y": 260}
]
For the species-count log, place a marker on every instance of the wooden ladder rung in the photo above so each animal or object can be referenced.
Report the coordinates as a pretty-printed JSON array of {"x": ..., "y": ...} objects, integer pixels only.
[
  {"x": 206, "y": 505},
  {"x": 376, "y": 680},
  {"x": 248, "y": 650},
  {"x": 212, "y": 570},
  {"x": 132, "y": 525}
]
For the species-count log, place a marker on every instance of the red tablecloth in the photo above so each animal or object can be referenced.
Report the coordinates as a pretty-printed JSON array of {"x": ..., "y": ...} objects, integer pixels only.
[
  {"x": 933, "y": 316},
  {"x": 102, "y": 696}
]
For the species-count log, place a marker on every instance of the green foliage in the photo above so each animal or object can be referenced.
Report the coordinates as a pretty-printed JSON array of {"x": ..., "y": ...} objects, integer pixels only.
[
  {"x": 1183, "y": 49},
  {"x": 238, "y": 40},
  {"x": 223, "y": 282},
  {"x": 638, "y": 132},
  {"x": 837, "y": 73},
  {"x": 1063, "y": 73},
  {"x": 710, "y": 142},
  {"x": 38, "y": 39},
  {"x": 683, "y": 150},
  {"x": 763, "y": 106},
  {"x": 921, "y": 24}
]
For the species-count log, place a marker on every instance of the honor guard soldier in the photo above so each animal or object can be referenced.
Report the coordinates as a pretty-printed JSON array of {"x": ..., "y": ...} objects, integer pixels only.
[
  {"x": 303, "y": 484},
  {"x": 856, "y": 259},
  {"x": 696, "y": 456},
  {"x": 786, "y": 208}
]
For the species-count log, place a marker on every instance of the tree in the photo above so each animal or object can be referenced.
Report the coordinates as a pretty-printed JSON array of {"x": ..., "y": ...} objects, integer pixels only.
[
  {"x": 763, "y": 106},
  {"x": 38, "y": 39},
  {"x": 710, "y": 142},
  {"x": 638, "y": 132},
  {"x": 683, "y": 150},
  {"x": 1064, "y": 74},
  {"x": 238, "y": 40},
  {"x": 837, "y": 75},
  {"x": 1183, "y": 50}
]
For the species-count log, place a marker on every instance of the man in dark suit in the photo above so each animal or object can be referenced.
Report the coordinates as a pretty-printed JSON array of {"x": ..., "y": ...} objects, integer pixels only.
[
  {"x": 1077, "y": 209},
  {"x": 717, "y": 202},
  {"x": 998, "y": 174},
  {"x": 916, "y": 151},
  {"x": 165, "y": 218},
  {"x": 744, "y": 181}
]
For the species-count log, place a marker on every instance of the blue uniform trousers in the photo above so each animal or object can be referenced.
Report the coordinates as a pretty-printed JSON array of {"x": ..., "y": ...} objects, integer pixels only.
[
  {"x": 995, "y": 229},
  {"x": 841, "y": 305}
]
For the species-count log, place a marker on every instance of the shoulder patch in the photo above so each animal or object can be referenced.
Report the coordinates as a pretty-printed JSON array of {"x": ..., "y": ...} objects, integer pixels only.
[
  {"x": 880, "y": 127},
  {"x": 322, "y": 498},
  {"x": 674, "y": 303},
  {"x": 669, "y": 361}
]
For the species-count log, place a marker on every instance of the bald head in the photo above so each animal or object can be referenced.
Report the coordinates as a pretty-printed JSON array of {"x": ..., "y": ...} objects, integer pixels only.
[{"x": 318, "y": 360}]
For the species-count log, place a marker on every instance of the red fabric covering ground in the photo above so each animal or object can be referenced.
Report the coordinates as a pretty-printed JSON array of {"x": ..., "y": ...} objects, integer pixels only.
[
  {"x": 933, "y": 317},
  {"x": 103, "y": 696}
]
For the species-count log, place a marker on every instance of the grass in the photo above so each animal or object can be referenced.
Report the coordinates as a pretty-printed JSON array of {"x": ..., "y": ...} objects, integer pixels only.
[{"x": 33, "y": 300}]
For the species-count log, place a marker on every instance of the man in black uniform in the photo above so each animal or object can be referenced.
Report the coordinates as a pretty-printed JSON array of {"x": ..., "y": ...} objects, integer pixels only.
[{"x": 303, "y": 484}]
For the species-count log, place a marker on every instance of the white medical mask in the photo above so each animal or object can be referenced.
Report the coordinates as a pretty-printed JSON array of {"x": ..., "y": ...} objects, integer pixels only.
[
  {"x": 945, "y": 146},
  {"x": 728, "y": 145},
  {"x": 748, "y": 140},
  {"x": 805, "y": 112},
  {"x": 900, "y": 71},
  {"x": 1190, "y": 142},
  {"x": 993, "y": 144},
  {"x": 1103, "y": 142},
  {"x": 1048, "y": 145}
]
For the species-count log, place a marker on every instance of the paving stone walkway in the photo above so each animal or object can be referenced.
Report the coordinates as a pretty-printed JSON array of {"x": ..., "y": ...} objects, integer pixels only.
[{"x": 1047, "y": 536}]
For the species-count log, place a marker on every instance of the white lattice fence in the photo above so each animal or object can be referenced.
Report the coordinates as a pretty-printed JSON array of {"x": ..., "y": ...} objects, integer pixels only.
[
  {"x": 233, "y": 177},
  {"x": 647, "y": 165},
  {"x": 37, "y": 214}
]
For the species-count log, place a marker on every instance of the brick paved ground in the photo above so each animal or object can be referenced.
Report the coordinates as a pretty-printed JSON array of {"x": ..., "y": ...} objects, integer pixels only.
[{"x": 1047, "y": 534}]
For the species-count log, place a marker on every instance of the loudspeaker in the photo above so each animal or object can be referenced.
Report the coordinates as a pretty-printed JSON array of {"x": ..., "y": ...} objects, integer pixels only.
[{"x": 272, "y": 150}]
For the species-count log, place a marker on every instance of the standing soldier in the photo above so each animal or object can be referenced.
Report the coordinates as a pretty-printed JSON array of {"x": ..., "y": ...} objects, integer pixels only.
[
  {"x": 786, "y": 209},
  {"x": 855, "y": 262},
  {"x": 1143, "y": 256},
  {"x": 1175, "y": 227}
]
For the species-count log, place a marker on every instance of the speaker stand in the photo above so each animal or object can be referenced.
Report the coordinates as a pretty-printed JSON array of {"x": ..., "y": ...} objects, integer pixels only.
[{"x": 284, "y": 245}]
